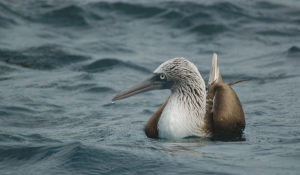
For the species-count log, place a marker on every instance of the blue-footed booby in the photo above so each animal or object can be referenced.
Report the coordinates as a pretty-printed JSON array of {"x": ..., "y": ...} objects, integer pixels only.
[{"x": 194, "y": 108}]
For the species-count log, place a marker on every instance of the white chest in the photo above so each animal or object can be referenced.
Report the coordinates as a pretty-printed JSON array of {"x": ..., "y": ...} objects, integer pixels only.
[{"x": 177, "y": 121}]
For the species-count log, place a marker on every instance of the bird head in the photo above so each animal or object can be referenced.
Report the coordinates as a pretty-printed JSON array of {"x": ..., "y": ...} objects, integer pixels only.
[{"x": 169, "y": 75}]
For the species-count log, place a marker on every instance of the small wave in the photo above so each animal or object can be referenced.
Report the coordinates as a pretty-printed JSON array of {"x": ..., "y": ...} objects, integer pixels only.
[
  {"x": 10, "y": 138},
  {"x": 293, "y": 52},
  {"x": 36, "y": 138},
  {"x": 195, "y": 17},
  {"x": 89, "y": 88},
  {"x": 268, "y": 5},
  {"x": 109, "y": 63},
  {"x": 209, "y": 29},
  {"x": 5, "y": 22},
  {"x": 283, "y": 33},
  {"x": 5, "y": 13},
  {"x": 136, "y": 10},
  {"x": 99, "y": 90},
  {"x": 76, "y": 87},
  {"x": 68, "y": 16},
  {"x": 20, "y": 109},
  {"x": 260, "y": 80},
  {"x": 5, "y": 69},
  {"x": 46, "y": 57},
  {"x": 109, "y": 47}
]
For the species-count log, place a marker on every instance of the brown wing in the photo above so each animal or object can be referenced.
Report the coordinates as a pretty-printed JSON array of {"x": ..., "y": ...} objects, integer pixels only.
[
  {"x": 228, "y": 114},
  {"x": 151, "y": 126}
]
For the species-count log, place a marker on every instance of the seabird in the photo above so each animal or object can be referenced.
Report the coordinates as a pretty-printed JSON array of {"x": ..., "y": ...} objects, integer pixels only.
[{"x": 194, "y": 108}]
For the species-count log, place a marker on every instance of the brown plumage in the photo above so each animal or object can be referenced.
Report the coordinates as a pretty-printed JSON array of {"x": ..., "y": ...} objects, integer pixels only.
[
  {"x": 151, "y": 126},
  {"x": 228, "y": 114}
]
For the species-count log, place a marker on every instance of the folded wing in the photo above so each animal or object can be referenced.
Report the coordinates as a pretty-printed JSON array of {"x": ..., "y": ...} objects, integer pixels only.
[{"x": 223, "y": 104}]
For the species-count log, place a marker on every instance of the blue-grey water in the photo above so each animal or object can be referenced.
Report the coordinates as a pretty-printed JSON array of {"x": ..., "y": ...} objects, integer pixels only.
[{"x": 61, "y": 63}]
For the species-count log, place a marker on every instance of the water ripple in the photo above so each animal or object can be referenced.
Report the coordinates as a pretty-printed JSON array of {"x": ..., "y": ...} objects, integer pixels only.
[{"x": 46, "y": 57}]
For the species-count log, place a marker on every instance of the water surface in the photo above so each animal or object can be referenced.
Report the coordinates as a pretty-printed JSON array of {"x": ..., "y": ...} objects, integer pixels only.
[{"x": 61, "y": 63}]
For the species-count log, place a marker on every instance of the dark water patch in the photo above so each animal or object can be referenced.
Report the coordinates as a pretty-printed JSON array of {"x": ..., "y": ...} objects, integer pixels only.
[
  {"x": 282, "y": 33},
  {"x": 50, "y": 85},
  {"x": 268, "y": 5},
  {"x": 134, "y": 10},
  {"x": 6, "y": 15},
  {"x": 293, "y": 52},
  {"x": 5, "y": 22},
  {"x": 34, "y": 119},
  {"x": 229, "y": 137},
  {"x": 76, "y": 87},
  {"x": 274, "y": 64},
  {"x": 86, "y": 76},
  {"x": 254, "y": 102},
  {"x": 99, "y": 90},
  {"x": 14, "y": 156},
  {"x": 100, "y": 134},
  {"x": 209, "y": 29},
  {"x": 297, "y": 21},
  {"x": 190, "y": 20},
  {"x": 227, "y": 10},
  {"x": 109, "y": 104},
  {"x": 95, "y": 115},
  {"x": 272, "y": 77},
  {"x": 45, "y": 57},
  {"x": 295, "y": 156},
  {"x": 210, "y": 19},
  {"x": 112, "y": 48},
  {"x": 68, "y": 17},
  {"x": 195, "y": 15},
  {"x": 5, "y": 78},
  {"x": 230, "y": 78},
  {"x": 260, "y": 80},
  {"x": 147, "y": 112},
  {"x": 4, "y": 113},
  {"x": 5, "y": 69},
  {"x": 171, "y": 14},
  {"x": 184, "y": 15},
  {"x": 87, "y": 160},
  {"x": 224, "y": 9},
  {"x": 203, "y": 19},
  {"x": 257, "y": 112},
  {"x": 110, "y": 63},
  {"x": 20, "y": 109},
  {"x": 294, "y": 140},
  {"x": 185, "y": 7},
  {"x": 4, "y": 138},
  {"x": 269, "y": 19},
  {"x": 35, "y": 138},
  {"x": 280, "y": 76},
  {"x": 48, "y": 107}
]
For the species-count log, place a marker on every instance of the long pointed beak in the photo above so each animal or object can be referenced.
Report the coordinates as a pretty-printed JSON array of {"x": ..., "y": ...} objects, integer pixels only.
[{"x": 148, "y": 84}]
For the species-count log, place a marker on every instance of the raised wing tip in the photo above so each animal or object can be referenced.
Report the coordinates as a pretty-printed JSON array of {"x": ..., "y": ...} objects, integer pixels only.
[
  {"x": 214, "y": 70},
  {"x": 215, "y": 55}
]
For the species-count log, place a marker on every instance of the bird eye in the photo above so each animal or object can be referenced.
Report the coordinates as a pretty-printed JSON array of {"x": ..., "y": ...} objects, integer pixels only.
[{"x": 162, "y": 76}]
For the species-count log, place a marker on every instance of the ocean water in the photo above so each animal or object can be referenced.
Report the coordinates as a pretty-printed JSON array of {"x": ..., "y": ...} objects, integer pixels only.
[{"x": 61, "y": 63}]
